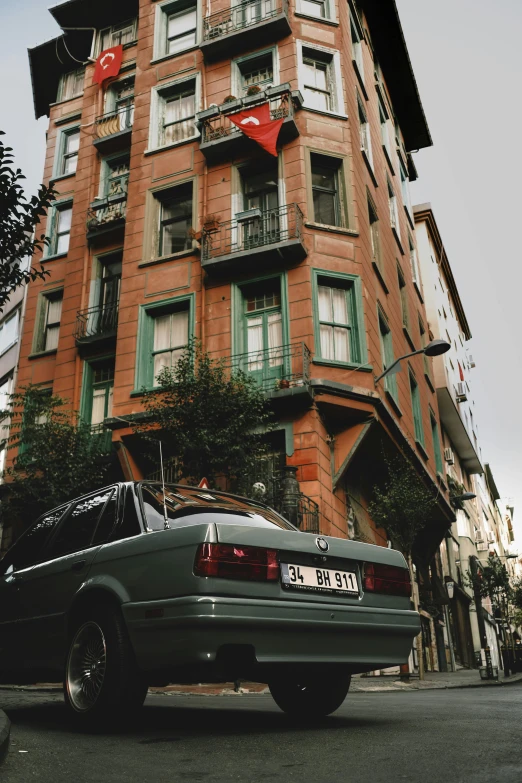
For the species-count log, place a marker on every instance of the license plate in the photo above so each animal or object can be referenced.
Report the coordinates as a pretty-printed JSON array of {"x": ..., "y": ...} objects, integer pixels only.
[{"x": 318, "y": 580}]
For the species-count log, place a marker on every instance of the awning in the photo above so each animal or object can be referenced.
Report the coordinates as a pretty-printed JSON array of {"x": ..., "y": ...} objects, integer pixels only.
[{"x": 94, "y": 13}]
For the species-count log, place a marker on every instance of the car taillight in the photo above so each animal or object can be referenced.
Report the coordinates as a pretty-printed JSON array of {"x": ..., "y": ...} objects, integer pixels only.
[
  {"x": 386, "y": 579},
  {"x": 229, "y": 561}
]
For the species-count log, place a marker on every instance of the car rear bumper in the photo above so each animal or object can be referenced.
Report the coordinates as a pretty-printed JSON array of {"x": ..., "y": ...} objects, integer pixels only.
[{"x": 191, "y": 630}]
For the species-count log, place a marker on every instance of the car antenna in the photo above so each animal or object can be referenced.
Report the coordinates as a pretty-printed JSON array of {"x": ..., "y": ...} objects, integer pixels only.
[{"x": 165, "y": 517}]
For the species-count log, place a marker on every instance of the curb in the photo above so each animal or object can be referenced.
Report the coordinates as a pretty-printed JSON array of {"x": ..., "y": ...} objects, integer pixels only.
[{"x": 5, "y": 731}]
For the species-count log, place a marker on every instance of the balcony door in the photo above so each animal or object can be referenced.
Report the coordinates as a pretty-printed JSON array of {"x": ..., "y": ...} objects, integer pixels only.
[
  {"x": 261, "y": 191},
  {"x": 263, "y": 332},
  {"x": 109, "y": 295},
  {"x": 101, "y": 391}
]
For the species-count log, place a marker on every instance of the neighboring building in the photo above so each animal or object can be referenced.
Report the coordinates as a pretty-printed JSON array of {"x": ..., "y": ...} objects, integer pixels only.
[
  {"x": 302, "y": 269},
  {"x": 11, "y": 324}
]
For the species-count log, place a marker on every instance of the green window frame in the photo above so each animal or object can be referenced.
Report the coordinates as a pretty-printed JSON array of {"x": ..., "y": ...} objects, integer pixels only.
[
  {"x": 239, "y": 334},
  {"x": 436, "y": 443},
  {"x": 48, "y": 317},
  {"x": 417, "y": 410},
  {"x": 67, "y": 148},
  {"x": 387, "y": 355},
  {"x": 59, "y": 228},
  {"x": 424, "y": 342},
  {"x": 345, "y": 316},
  {"x": 114, "y": 176},
  {"x": 375, "y": 234},
  {"x": 403, "y": 292},
  {"x": 98, "y": 376},
  {"x": 146, "y": 348},
  {"x": 323, "y": 166}
]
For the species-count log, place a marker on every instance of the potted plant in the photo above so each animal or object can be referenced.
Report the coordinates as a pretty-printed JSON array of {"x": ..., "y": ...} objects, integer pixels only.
[
  {"x": 254, "y": 95},
  {"x": 231, "y": 104},
  {"x": 208, "y": 114},
  {"x": 284, "y": 383},
  {"x": 211, "y": 222},
  {"x": 194, "y": 235}
]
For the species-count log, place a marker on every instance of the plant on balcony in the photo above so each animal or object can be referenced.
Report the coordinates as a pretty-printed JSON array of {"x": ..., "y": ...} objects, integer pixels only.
[
  {"x": 455, "y": 490},
  {"x": 210, "y": 417},
  {"x": 211, "y": 222},
  {"x": 229, "y": 99},
  {"x": 193, "y": 234},
  {"x": 19, "y": 220},
  {"x": 58, "y": 456},
  {"x": 254, "y": 89}
]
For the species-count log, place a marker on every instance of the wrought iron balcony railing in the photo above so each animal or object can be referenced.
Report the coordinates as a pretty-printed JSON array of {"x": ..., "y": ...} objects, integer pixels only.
[
  {"x": 103, "y": 436},
  {"x": 100, "y": 321},
  {"x": 121, "y": 119},
  {"x": 220, "y": 127},
  {"x": 239, "y": 17},
  {"x": 283, "y": 367},
  {"x": 106, "y": 214},
  {"x": 253, "y": 229}
]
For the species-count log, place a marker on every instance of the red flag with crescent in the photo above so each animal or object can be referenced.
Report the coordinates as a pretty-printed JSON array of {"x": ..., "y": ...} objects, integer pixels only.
[
  {"x": 108, "y": 64},
  {"x": 257, "y": 124}
]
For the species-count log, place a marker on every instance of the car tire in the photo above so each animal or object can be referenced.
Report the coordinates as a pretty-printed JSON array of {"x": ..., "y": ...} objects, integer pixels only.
[
  {"x": 312, "y": 695},
  {"x": 102, "y": 682}
]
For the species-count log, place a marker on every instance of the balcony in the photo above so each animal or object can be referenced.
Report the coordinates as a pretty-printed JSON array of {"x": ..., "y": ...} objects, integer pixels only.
[
  {"x": 104, "y": 438},
  {"x": 106, "y": 216},
  {"x": 96, "y": 325},
  {"x": 254, "y": 238},
  {"x": 221, "y": 139},
  {"x": 112, "y": 130},
  {"x": 281, "y": 372},
  {"x": 247, "y": 25}
]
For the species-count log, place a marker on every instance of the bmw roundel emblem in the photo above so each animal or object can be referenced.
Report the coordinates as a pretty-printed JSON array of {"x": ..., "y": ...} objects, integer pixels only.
[{"x": 322, "y": 544}]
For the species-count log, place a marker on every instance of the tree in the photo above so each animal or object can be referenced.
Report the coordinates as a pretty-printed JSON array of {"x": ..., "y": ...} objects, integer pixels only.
[
  {"x": 490, "y": 580},
  {"x": 58, "y": 457},
  {"x": 18, "y": 220},
  {"x": 403, "y": 507},
  {"x": 210, "y": 418}
]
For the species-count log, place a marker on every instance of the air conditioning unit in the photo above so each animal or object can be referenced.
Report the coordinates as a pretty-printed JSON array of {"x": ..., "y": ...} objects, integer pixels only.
[
  {"x": 462, "y": 394},
  {"x": 482, "y": 546},
  {"x": 491, "y": 538},
  {"x": 471, "y": 362},
  {"x": 448, "y": 456}
]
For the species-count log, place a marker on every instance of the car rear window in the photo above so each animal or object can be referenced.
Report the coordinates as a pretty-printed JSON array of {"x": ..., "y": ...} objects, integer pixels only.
[{"x": 182, "y": 511}]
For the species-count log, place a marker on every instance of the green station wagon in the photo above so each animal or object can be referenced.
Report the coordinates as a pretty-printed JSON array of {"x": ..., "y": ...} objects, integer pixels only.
[{"x": 137, "y": 585}]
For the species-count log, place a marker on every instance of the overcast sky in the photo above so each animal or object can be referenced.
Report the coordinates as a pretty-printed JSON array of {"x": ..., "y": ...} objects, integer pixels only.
[{"x": 466, "y": 57}]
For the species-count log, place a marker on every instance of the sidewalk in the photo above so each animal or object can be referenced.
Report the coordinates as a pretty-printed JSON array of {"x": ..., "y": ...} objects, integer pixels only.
[{"x": 464, "y": 678}]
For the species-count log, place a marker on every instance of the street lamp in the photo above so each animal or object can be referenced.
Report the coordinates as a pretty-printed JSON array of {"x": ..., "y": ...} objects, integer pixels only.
[
  {"x": 464, "y": 496},
  {"x": 435, "y": 348}
]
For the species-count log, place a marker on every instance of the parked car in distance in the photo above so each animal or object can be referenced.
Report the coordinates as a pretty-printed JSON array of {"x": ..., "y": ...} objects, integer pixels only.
[{"x": 131, "y": 586}]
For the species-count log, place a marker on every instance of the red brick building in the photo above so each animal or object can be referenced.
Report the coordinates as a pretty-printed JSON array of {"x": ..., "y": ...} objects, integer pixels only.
[{"x": 170, "y": 223}]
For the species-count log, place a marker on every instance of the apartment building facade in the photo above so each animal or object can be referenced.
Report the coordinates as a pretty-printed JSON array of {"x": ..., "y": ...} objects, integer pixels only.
[{"x": 300, "y": 268}]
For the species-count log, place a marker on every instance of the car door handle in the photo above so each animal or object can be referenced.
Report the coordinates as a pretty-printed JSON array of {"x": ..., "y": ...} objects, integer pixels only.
[{"x": 78, "y": 565}]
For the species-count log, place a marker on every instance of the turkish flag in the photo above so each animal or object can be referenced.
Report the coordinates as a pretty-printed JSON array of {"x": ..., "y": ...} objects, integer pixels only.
[
  {"x": 257, "y": 124},
  {"x": 108, "y": 64},
  {"x": 461, "y": 373}
]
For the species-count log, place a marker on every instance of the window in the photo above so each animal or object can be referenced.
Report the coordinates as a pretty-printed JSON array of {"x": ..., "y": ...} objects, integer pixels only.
[
  {"x": 71, "y": 85},
  {"x": 6, "y": 387},
  {"x": 405, "y": 188},
  {"x": 414, "y": 262},
  {"x": 175, "y": 110},
  {"x": 60, "y": 232},
  {"x": 326, "y": 190},
  {"x": 375, "y": 234},
  {"x": 403, "y": 291},
  {"x": 101, "y": 391},
  {"x": 164, "y": 331},
  {"x": 319, "y": 9},
  {"x": 124, "y": 33},
  {"x": 364, "y": 131},
  {"x": 318, "y": 88},
  {"x": 394, "y": 212},
  {"x": 436, "y": 443},
  {"x": 424, "y": 342},
  {"x": 9, "y": 329},
  {"x": 357, "y": 52},
  {"x": 29, "y": 548},
  {"x": 383, "y": 120},
  {"x": 77, "y": 531},
  {"x": 338, "y": 312},
  {"x": 175, "y": 219},
  {"x": 47, "y": 331},
  {"x": 69, "y": 144},
  {"x": 119, "y": 106},
  {"x": 262, "y": 329},
  {"x": 115, "y": 177},
  {"x": 387, "y": 357},
  {"x": 181, "y": 30},
  {"x": 258, "y": 70},
  {"x": 416, "y": 408}
]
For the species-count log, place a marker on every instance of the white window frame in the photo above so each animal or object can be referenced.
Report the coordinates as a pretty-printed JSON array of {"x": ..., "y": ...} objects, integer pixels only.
[
  {"x": 158, "y": 95},
  {"x": 357, "y": 50},
  {"x": 329, "y": 7},
  {"x": 60, "y": 150},
  {"x": 236, "y": 75},
  {"x": 50, "y": 250},
  {"x": 337, "y": 92},
  {"x": 394, "y": 209},
  {"x": 366, "y": 148},
  {"x": 384, "y": 126},
  {"x": 6, "y": 320},
  {"x": 414, "y": 263},
  {"x": 405, "y": 188},
  {"x": 115, "y": 27},
  {"x": 163, "y": 11}
]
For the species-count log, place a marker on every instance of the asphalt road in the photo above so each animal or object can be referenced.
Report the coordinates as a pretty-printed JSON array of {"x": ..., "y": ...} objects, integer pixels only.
[{"x": 441, "y": 736}]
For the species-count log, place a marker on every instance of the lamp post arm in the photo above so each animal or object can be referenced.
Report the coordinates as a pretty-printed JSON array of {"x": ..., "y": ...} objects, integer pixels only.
[{"x": 396, "y": 362}]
